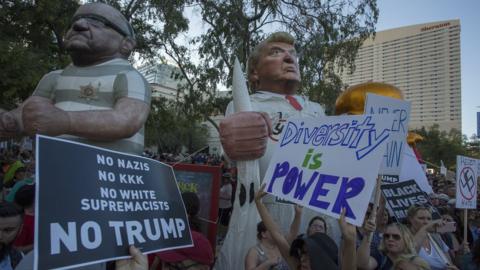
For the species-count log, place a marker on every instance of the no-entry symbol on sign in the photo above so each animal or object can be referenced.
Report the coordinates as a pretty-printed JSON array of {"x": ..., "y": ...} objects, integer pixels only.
[
  {"x": 467, "y": 183},
  {"x": 467, "y": 172}
]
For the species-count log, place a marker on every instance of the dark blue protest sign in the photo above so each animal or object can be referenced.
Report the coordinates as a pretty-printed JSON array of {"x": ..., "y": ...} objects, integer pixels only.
[
  {"x": 92, "y": 204},
  {"x": 403, "y": 195}
]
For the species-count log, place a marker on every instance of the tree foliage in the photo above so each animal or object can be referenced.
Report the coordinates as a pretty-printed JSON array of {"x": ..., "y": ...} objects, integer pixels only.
[
  {"x": 441, "y": 145},
  {"x": 328, "y": 35},
  {"x": 170, "y": 130},
  {"x": 31, "y": 44}
]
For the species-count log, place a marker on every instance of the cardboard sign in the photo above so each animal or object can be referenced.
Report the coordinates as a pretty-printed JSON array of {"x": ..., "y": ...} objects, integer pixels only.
[
  {"x": 205, "y": 182},
  {"x": 329, "y": 163},
  {"x": 467, "y": 178},
  {"x": 93, "y": 203},
  {"x": 400, "y": 109},
  {"x": 403, "y": 195}
]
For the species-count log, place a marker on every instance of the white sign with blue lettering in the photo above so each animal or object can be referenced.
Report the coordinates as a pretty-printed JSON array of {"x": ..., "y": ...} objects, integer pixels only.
[
  {"x": 400, "y": 109},
  {"x": 330, "y": 163}
]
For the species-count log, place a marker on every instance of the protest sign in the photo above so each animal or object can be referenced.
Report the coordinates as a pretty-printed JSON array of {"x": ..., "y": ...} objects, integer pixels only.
[
  {"x": 467, "y": 177},
  {"x": 400, "y": 196},
  {"x": 205, "y": 182},
  {"x": 411, "y": 169},
  {"x": 400, "y": 109},
  {"x": 93, "y": 203},
  {"x": 329, "y": 163}
]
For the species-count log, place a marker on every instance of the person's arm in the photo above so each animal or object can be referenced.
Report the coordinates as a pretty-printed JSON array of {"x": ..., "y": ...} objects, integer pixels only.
[
  {"x": 348, "y": 253},
  {"x": 364, "y": 260},
  {"x": 123, "y": 121},
  {"x": 381, "y": 211},
  {"x": 138, "y": 261},
  {"x": 251, "y": 261},
  {"x": 273, "y": 228},
  {"x": 295, "y": 226},
  {"x": 422, "y": 234}
]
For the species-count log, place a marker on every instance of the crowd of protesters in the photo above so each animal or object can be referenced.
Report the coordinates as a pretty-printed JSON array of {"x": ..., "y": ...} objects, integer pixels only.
[
  {"x": 196, "y": 158},
  {"x": 431, "y": 237}
]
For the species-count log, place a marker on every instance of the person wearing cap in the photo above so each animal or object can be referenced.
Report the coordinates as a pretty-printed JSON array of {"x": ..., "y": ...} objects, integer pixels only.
[
  {"x": 434, "y": 199},
  {"x": 443, "y": 199},
  {"x": 100, "y": 98}
]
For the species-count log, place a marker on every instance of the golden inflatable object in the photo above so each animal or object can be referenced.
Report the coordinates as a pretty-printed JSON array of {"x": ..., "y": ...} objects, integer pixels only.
[
  {"x": 413, "y": 138},
  {"x": 352, "y": 100}
]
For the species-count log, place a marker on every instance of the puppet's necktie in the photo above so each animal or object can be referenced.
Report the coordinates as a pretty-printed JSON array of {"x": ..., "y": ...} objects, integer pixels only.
[{"x": 293, "y": 101}]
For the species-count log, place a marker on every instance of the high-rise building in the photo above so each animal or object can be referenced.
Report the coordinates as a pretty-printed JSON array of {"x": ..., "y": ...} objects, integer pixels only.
[
  {"x": 478, "y": 124},
  {"x": 164, "y": 80},
  {"x": 424, "y": 62}
]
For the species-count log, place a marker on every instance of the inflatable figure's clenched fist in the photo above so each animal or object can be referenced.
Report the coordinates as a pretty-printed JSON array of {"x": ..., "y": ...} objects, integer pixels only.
[{"x": 244, "y": 135}]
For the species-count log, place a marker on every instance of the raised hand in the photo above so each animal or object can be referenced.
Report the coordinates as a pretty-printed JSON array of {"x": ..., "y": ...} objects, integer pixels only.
[
  {"x": 260, "y": 193},
  {"x": 348, "y": 230}
]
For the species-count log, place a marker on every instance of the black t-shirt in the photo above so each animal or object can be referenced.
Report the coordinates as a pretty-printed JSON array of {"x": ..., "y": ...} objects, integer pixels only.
[{"x": 383, "y": 261}]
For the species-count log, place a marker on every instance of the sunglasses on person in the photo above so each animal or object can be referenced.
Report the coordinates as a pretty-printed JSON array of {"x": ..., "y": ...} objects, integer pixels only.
[
  {"x": 393, "y": 236},
  {"x": 100, "y": 22}
]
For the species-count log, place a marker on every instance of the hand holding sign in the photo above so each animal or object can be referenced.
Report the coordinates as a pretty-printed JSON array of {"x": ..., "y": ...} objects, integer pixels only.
[
  {"x": 138, "y": 261},
  {"x": 260, "y": 193},
  {"x": 348, "y": 231},
  {"x": 369, "y": 226}
]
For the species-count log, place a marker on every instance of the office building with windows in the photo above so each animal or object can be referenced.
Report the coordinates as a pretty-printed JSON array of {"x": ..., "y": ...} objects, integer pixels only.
[{"x": 424, "y": 62}]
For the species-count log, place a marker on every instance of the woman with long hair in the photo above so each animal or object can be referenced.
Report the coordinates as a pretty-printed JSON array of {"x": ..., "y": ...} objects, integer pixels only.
[
  {"x": 396, "y": 241},
  {"x": 428, "y": 244},
  {"x": 265, "y": 254}
]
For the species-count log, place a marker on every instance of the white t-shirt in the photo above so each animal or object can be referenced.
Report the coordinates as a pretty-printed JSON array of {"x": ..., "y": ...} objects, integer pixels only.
[
  {"x": 433, "y": 258},
  {"x": 225, "y": 200}
]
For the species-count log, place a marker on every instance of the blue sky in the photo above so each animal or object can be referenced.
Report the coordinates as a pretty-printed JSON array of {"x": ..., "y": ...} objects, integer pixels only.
[{"x": 397, "y": 13}]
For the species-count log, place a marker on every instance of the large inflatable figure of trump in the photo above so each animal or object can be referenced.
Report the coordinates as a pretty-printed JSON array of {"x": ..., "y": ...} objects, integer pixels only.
[
  {"x": 273, "y": 74},
  {"x": 100, "y": 98}
]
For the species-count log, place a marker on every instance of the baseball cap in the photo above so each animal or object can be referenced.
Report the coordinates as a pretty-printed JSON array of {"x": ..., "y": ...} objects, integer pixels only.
[
  {"x": 443, "y": 197},
  {"x": 201, "y": 251}
]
